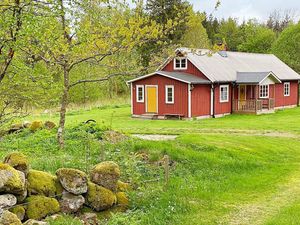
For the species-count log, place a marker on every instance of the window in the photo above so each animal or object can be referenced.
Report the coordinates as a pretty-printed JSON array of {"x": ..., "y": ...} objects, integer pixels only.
[
  {"x": 180, "y": 63},
  {"x": 170, "y": 94},
  {"x": 224, "y": 93},
  {"x": 139, "y": 93},
  {"x": 287, "y": 88},
  {"x": 264, "y": 91}
]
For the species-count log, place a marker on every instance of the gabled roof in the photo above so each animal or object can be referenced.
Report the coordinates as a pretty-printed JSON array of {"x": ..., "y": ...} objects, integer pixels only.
[
  {"x": 218, "y": 68},
  {"x": 183, "y": 77},
  {"x": 255, "y": 77}
]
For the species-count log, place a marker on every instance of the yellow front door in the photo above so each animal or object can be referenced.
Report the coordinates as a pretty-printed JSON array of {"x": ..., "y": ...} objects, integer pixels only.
[
  {"x": 242, "y": 92},
  {"x": 151, "y": 99}
]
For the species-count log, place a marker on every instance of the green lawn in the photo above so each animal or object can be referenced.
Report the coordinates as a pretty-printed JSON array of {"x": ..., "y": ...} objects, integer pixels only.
[
  {"x": 119, "y": 117},
  {"x": 224, "y": 172}
]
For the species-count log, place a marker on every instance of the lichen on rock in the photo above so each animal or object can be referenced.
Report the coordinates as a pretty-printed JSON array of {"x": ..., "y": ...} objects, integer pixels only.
[
  {"x": 42, "y": 183},
  {"x": 72, "y": 180},
  {"x": 7, "y": 200},
  {"x": 71, "y": 203},
  {"x": 106, "y": 174},
  {"x": 8, "y": 218},
  {"x": 12, "y": 181},
  {"x": 18, "y": 161},
  {"x": 38, "y": 207},
  {"x": 99, "y": 198}
]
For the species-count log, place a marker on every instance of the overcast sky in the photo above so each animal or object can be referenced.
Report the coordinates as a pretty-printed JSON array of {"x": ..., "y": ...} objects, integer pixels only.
[{"x": 246, "y": 9}]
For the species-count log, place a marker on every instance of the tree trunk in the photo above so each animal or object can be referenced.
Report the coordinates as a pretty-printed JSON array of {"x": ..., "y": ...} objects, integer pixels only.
[{"x": 63, "y": 109}]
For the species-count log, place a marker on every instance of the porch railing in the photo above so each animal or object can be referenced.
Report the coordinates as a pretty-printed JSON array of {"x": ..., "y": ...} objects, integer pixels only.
[{"x": 253, "y": 105}]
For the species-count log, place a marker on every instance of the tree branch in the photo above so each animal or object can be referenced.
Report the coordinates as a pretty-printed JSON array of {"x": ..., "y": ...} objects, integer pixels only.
[{"x": 102, "y": 79}]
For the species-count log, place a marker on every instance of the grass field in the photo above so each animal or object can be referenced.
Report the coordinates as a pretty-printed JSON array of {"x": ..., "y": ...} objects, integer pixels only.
[{"x": 240, "y": 169}]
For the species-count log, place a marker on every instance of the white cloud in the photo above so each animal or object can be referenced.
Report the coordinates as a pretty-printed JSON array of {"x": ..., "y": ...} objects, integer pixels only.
[{"x": 246, "y": 9}]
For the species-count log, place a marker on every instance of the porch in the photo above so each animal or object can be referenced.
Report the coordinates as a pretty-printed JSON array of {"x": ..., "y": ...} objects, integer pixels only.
[
  {"x": 255, "y": 106},
  {"x": 254, "y": 92}
]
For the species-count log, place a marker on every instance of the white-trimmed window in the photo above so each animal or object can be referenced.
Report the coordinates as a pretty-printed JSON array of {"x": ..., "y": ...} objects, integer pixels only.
[
  {"x": 287, "y": 88},
  {"x": 264, "y": 91},
  {"x": 224, "y": 93},
  {"x": 169, "y": 94},
  {"x": 180, "y": 63},
  {"x": 140, "y": 93}
]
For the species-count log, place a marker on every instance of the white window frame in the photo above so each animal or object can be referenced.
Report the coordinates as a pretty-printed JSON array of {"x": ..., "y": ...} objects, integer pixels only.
[
  {"x": 137, "y": 93},
  {"x": 227, "y": 88},
  {"x": 261, "y": 91},
  {"x": 286, "y": 89},
  {"x": 166, "y": 94},
  {"x": 180, "y": 63}
]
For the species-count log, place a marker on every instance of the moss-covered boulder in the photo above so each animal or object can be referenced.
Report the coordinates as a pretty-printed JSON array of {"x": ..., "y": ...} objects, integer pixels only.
[
  {"x": 8, "y": 218},
  {"x": 71, "y": 203},
  {"x": 14, "y": 128},
  {"x": 36, "y": 125},
  {"x": 49, "y": 125},
  {"x": 19, "y": 211},
  {"x": 11, "y": 180},
  {"x": 38, "y": 207},
  {"x": 99, "y": 198},
  {"x": 122, "y": 199},
  {"x": 7, "y": 200},
  {"x": 42, "y": 183},
  {"x": 18, "y": 161},
  {"x": 106, "y": 174},
  {"x": 73, "y": 180},
  {"x": 122, "y": 186}
]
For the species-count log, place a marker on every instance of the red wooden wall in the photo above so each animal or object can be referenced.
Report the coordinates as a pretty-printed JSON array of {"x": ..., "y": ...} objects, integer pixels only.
[
  {"x": 281, "y": 100},
  {"x": 222, "y": 107},
  {"x": 180, "y": 105},
  {"x": 201, "y": 100}
]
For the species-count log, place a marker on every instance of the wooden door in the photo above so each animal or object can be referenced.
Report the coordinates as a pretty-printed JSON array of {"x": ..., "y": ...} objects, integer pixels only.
[{"x": 151, "y": 99}]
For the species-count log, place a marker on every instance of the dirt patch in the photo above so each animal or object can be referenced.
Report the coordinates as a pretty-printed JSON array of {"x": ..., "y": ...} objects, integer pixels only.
[{"x": 155, "y": 137}]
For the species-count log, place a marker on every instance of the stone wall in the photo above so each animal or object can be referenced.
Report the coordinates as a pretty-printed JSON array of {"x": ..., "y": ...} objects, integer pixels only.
[{"x": 29, "y": 196}]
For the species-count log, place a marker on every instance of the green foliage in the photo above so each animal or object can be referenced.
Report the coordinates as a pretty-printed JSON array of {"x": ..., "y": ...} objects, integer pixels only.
[
  {"x": 257, "y": 39},
  {"x": 195, "y": 35},
  {"x": 287, "y": 47},
  {"x": 229, "y": 31}
]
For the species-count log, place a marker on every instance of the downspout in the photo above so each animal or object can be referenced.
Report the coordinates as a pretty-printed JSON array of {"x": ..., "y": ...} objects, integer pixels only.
[
  {"x": 212, "y": 101},
  {"x": 131, "y": 96},
  {"x": 232, "y": 96},
  {"x": 189, "y": 101}
]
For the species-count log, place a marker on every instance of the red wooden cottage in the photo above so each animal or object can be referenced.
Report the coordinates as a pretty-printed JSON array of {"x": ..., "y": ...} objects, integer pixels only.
[{"x": 201, "y": 84}]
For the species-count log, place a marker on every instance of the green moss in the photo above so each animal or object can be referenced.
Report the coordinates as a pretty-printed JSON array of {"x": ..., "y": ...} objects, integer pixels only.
[
  {"x": 108, "y": 167},
  {"x": 8, "y": 218},
  {"x": 18, "y": 161},
  {"x": 122, "y": 199},
  {"x": 42, "y": 183},
  {"x": 19, "y": 211},
  {"x": 39, "y": 207},
  {"x": 99, "y": 198},
  {"x": 106, "y": 174},
  {"x": 122, "y": 186},
  {"x": 13, "y": 182},
  {"x": 36, "y": 125}
]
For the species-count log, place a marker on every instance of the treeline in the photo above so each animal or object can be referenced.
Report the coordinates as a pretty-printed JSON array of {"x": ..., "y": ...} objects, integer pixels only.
[{"x": 57, "y": 52}]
